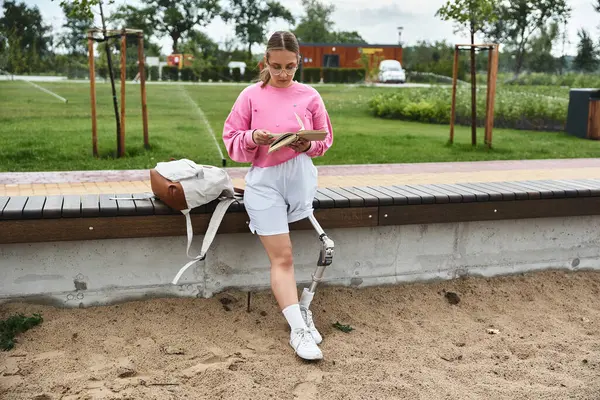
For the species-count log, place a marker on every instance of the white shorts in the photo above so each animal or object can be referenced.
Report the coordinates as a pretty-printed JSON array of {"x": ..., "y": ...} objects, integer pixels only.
[{"x": 279, "y": 195}]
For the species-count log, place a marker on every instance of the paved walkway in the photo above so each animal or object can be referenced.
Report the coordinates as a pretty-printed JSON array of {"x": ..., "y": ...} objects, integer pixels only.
[{"x": 137, "y": 181}]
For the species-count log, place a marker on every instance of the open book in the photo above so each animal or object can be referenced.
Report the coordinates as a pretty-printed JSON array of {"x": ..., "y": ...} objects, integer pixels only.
[{"x": 283, "y": 139}]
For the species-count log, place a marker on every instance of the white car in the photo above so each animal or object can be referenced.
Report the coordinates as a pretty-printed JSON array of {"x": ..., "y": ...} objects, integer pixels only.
[{"x": 391, "y": 71}]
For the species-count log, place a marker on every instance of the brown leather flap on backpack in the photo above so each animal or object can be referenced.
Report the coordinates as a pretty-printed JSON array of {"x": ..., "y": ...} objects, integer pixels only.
[{"x": 169, "y": 192}]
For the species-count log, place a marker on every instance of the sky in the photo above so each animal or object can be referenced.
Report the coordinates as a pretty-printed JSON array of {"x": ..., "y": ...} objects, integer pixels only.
[{"x": 377, "y": 21}]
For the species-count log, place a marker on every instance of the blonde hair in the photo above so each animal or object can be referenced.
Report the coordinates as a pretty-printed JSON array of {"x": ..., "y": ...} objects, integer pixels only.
[{"x": 280, "y": 40}]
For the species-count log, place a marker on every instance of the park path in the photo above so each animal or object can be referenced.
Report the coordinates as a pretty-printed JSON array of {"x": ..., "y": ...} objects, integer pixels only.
[{"x": 137, "y": 181}]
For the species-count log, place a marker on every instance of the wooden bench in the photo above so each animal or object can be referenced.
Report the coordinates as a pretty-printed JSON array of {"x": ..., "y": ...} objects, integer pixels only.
[{"x": 27, "y": 219}]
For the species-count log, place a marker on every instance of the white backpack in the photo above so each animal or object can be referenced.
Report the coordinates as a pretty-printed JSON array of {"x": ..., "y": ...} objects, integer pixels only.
[{"x": 201, "y": 184}]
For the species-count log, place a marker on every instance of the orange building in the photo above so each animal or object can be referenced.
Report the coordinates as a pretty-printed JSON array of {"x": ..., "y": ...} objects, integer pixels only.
[
  {"x": 343, "y": 55},
  {"x": 180, "y": 60}
]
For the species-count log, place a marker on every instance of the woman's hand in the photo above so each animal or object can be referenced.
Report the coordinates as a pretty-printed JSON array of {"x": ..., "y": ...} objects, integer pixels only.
[
  {"x": 262, "y": 137},
  {"x": 301, "y": 145}
]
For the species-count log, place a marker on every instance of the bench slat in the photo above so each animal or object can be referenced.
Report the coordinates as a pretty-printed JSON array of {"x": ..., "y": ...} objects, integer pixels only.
[
  {"x": 453, "y": 197},
  {"x": 324, "y": 200},
  {"x": 591, "y": 189},
  {"x": 397, "y": 198},
  {"x": 411, "y": 198},
  {"x": 126, "y": 207},
  {"x": 592, "y": 184},
  {"x": 493, "y": 190},
  {"x": 3, "y": 201},
  {"x": 53, "y": 207},
  {"x": 545, "y": 190},
  {"x": 381, "y": 198},
  {"x": 144, "y": 207},
  {"x": 34, "y": 207},
  {"x": 161, "y": 208},
  {"x": 353, "y": 199},
  {"x": 339, "y": 201},
  {"x": 581, "y": 190},
  {"x": 71, "y": 207},
  {"x": 566, "y": 190},
  {"x": 368, "y": 199},
  {"x": 90, "y": 205},
  {"x": 517, "y": 192},
  {"x": 108, "y": 208},
  {"x": 532, "y": 192},
  {"x": 467, "y": 195},
  {"x": 466, "y": 189},
  {"x": 440, "y": 198},
  {"x": 237, "y": 206},
  {"x": 14, "y": 207},
  {"x": 414, "y": 196}
]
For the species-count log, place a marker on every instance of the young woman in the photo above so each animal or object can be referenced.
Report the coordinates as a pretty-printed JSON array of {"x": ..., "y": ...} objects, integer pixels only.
[{"x": 280, "y": 186}]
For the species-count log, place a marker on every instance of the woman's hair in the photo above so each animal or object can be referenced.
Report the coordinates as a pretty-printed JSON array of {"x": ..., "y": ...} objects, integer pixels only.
[{"x": 280, "y": 40}]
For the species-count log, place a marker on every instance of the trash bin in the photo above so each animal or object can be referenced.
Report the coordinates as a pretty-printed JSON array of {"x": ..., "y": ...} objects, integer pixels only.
[
  {"x": 593, "y": 131},
  {"x": 581, "y": 101}
]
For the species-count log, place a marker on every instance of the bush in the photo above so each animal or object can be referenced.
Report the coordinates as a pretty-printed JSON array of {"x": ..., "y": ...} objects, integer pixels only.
[
  {"x": 334, "y": 75},
  {"x": 170, "y": 73},
  {"x": 236, "y": 74},
  {"x": 574, "y": 80},
  {"x": 433, "y": 105},
  {"x": 188, "y": 74},
  {"x": 154, "y": 73}
]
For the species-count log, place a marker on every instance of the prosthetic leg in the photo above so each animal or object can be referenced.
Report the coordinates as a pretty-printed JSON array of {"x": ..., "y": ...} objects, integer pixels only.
[{"x": 325, "y": 255}]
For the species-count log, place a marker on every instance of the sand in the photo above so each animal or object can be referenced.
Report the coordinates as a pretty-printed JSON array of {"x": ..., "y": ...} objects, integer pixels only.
[{"x": 532, "y": 336}]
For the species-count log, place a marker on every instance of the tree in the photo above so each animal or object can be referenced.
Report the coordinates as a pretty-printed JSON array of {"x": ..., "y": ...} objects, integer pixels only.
[
  {"x": 178, "y": 18},
  {"x": 541, "y": 58},
  {"x": 586, "y": 59},
  {"x": 520, "y": 20},
  {"x": 81, "y": 8},
  {"x": 316, "y": 25},
  {"x": 27, "y": 40},
  {"x": 128, "y": 16},
  {"x": 251, "y": 17},
  {"x": 77, "y": 24},
  {"x": 472, "y": 16},
  {"x": 347, "y": 37}
]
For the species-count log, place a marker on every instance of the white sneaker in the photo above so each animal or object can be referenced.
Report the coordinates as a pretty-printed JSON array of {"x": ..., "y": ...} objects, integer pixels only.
[
  {"x": 308, "y": 320},
  {"x": 303, "y": 343}
]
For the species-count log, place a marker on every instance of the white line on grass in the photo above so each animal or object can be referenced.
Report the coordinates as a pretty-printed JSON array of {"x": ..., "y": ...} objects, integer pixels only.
[
  {"x": 46, "y": 90},
  {"x": 210, "y": 130}
]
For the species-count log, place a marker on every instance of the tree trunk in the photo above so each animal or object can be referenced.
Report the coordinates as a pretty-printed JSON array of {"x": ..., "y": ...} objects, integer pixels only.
[
  {"x": 175, "y": 37},
  {"x": 249, "y": 50},
  {"x": 112, "y": 81},
  {"x": 473, "y": 94}
]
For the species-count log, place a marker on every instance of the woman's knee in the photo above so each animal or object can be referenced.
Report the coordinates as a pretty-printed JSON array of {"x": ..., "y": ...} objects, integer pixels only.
[{"x": 283, "y": 259}]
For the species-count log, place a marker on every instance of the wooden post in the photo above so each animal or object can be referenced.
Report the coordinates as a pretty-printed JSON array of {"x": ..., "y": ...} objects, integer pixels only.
[
  {"x": 93, "y": 96},
  {"x": 121, "y": 139},
  {"x": 491, "y": 100},
  {"x": 593, "y": 126},
  {"x": 454, "y": 83},
  {"x": 143, "y": 88},
  {"x": 487, "y": 99}
]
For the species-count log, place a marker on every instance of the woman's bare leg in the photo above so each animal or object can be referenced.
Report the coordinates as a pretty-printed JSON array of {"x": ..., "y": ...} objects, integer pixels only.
[
  {"x": 283, "y": 281},
  {"x": 283, "y": 284}
]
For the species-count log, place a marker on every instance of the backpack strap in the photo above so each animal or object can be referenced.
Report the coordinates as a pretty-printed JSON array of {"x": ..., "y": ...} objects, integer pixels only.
[{"x": 213, "y": 227}]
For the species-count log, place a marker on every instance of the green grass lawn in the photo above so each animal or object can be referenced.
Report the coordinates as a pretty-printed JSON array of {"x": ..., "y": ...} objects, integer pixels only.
[{"x": 40, "y": 133}]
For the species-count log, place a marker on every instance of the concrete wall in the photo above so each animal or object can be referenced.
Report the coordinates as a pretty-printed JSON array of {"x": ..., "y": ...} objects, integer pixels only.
[{"x": 86, "y": 273}]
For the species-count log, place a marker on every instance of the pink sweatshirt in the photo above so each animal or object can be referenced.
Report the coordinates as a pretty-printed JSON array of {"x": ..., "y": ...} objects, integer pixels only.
[{"x": 272, "y": 109}]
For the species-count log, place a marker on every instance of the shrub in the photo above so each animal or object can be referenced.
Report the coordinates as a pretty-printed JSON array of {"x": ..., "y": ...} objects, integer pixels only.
[{"x": 433, "y": 105}]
